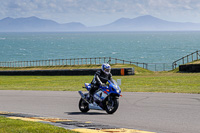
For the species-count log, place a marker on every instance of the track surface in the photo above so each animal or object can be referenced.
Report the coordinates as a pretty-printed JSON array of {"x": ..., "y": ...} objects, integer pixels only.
[{"x": 156, "y": 112}]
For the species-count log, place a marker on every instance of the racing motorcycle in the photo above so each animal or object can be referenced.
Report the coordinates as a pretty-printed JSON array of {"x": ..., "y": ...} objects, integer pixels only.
[{"x": 105, "y": 98}]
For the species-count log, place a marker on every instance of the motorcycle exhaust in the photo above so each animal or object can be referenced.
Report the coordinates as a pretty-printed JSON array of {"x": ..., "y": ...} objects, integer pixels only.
[
  {"x": 91, "y": 105},
  {"x": 94, "y": 106}
]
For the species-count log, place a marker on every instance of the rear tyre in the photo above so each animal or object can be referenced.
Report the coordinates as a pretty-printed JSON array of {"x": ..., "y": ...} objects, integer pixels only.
[
  {"x": 83, "y": 106},
  {"x": 111, "y": 105}
]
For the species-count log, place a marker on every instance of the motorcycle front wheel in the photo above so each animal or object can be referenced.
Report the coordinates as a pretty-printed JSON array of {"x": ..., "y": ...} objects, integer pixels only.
[
  {"x": 83, "y": 106},
  {"x": 111, "y": 105}
]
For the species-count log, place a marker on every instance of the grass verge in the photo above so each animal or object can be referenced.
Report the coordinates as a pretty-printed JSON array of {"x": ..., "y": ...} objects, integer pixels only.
[
  {"x": 168, "y": 82},
  {"x": 18, "y": 126},
  {"x": 143, "y": 81}
]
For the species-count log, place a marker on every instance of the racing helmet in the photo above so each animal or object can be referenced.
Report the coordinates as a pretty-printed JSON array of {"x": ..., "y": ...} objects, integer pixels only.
[{"x": 106, "y": 68}]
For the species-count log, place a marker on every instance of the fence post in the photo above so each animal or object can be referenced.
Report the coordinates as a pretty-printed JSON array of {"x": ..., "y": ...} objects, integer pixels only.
[
  {"x": 197, "y": 55},
  {"x": 99, "y": 60},
  {"x": 164, "y": 67},
  {"x": 109, "y": 60},
  {"x": 192, "y": 57}
]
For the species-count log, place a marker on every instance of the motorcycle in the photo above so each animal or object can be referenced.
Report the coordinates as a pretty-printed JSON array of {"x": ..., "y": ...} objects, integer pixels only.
[{"x": 105, "y": 98}]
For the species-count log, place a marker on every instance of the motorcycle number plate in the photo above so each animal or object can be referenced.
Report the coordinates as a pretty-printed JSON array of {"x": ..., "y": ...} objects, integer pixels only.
[{"x": 100, "y": 95}]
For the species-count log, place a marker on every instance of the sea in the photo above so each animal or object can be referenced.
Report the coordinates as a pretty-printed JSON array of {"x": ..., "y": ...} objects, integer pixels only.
[{"x": 144, "y": 47}]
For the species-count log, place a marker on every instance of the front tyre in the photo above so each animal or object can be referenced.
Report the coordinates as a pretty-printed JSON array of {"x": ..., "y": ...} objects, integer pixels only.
[
  {"x": 83, "y": 106},
  {"x": 111, "y": 105}
]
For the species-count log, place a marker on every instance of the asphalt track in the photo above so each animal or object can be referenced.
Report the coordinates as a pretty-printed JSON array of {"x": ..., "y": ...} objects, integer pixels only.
[{"x": 155, "y": 112}]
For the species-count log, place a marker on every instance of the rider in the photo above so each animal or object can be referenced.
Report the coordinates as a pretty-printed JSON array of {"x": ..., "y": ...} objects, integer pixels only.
[{"x": 100, "y": 78}]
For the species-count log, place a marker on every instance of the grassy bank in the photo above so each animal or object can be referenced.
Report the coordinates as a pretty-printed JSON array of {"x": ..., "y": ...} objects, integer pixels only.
[
  {"x": 143, "y": 81},
  {"x": 18, "y": 126},
  {"x": 148, "y": 82}
]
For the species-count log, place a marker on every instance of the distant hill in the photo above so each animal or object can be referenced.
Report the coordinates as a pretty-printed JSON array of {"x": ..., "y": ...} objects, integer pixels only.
[
  {"x": 36, "y": 24},
  {"x": 147, "y": 23},
  {"x": 142, "y": 23}
]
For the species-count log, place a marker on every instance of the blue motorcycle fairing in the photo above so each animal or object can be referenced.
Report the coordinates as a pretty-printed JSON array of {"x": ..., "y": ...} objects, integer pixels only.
[
  {"x": 88, "y": 86},
  {"x": 112, "y": 88}
]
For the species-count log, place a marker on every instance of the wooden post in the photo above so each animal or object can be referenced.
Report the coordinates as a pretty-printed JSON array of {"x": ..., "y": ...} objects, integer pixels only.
[
  {"x": 192, "y": 57},
  {"x": 164, "y": 67},
  {"x": 99, "y": 60},
  {"x": 197, "y": 56}
]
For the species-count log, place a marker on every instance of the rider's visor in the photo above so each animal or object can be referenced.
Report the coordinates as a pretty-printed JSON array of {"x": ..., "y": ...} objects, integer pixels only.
[{"x": 107, "y": 70}]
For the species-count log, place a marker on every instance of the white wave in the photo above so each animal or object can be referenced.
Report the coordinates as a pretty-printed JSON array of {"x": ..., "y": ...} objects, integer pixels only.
[{"x": 22, "y": 49}]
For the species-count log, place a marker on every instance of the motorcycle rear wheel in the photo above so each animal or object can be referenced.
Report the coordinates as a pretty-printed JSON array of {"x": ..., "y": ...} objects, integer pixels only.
[
  {"x": 111, "y": 106},
  {"x": 83, "y": 106}
]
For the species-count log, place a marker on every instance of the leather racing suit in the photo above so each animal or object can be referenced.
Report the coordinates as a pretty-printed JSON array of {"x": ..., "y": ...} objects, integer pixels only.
[{"x": 100, "y": 78}]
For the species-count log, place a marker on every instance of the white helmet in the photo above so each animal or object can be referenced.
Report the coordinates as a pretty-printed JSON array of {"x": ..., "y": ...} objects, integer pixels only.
[{"x": 106, "y": 68}]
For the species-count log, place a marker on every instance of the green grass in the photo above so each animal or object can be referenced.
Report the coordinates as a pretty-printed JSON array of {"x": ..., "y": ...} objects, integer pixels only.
[
  {"x": 66, "y": 67},
  {"x": 18, "y": 126},
  {"x": 162, "y": 82},
  {"x": 143, "y": 81},
  {"x": 149, "y": 82}
]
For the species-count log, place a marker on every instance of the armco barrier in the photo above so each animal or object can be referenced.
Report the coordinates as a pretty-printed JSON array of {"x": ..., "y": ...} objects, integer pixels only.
[
  {"x": 72, "y": 72},
  {"x": 189, "y": 68}
]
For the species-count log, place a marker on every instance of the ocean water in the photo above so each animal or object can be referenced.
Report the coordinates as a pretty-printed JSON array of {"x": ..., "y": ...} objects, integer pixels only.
[{"x": 147, "y": 47}]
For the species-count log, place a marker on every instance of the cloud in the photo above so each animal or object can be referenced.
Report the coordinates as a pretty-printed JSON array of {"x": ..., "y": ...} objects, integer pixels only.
[{"x": 100, "y": 11}]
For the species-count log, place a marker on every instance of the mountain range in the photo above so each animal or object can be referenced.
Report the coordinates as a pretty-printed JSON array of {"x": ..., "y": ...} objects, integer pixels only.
[{"x": 141, "y": 23}]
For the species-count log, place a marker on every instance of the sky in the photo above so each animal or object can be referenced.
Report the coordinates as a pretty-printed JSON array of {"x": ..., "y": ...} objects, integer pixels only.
[{"x": 100, "y": 12}]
